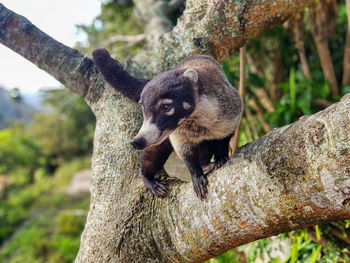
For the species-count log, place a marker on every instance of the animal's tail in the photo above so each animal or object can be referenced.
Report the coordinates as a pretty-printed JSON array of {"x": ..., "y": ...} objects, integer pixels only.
[{"x": 116, "y": 76}]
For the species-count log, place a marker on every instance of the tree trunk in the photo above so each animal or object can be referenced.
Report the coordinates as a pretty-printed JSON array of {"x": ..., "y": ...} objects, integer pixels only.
[
  {"x": 346, "y": 62},
  {"x": 327, "y": 65},
  {"x": 322, "y": 20},
  {"x": 347, "y": 4},
  {"x": 294, "y": 177},
  {"x": 242, "y": 82},
  {"x": 298, "y": 27}
]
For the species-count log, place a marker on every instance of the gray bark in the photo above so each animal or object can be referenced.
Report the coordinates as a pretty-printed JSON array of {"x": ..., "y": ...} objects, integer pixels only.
[
  {"x": 296, "y": 176},
  {"x": 215, "y": 27}
]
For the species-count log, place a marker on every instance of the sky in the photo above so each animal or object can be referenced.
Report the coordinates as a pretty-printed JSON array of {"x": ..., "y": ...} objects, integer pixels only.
[{"x": 57, "y": 18}]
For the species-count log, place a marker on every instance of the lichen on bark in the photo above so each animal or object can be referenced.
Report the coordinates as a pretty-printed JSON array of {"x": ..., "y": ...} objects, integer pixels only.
[{"x": 294, "y": 177}]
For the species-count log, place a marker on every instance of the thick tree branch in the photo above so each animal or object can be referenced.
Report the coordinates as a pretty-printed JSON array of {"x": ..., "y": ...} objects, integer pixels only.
[
  {"x": 215, "y": 27},
  {"x": 65, "y": 64},
  {"x": 296, "y": 176}
]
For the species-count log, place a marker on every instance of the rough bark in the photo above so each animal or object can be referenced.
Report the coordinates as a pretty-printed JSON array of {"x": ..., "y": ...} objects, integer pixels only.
[
  {"x": 65, "y": 64},
  {"x": 214, "y": 27},
  {"x": 294, "y": 177}
]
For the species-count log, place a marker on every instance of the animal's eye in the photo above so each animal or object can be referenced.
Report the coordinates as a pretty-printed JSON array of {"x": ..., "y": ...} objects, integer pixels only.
[{"x": 166, "y": 107}]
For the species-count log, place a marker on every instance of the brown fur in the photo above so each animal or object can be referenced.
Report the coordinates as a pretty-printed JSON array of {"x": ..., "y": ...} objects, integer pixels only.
[
  {"x": 218, "y": 105},
  {"x": 193, "y": 104}
]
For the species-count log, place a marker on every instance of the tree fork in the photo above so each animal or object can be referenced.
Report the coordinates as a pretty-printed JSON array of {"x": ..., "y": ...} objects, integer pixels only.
[{"x": 294, "y": 177}]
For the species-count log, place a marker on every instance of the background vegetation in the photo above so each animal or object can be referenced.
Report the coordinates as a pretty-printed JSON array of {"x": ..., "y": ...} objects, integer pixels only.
[
  {"x": 39, "y": 221},
  {"x": 294, "y": 70}
]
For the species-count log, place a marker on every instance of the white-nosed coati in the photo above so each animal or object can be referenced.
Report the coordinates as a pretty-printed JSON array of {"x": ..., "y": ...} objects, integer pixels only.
[{"x": 192, "y": 109}]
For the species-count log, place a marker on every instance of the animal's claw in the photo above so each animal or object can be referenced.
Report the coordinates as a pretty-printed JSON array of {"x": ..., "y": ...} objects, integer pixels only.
[
  {"x": 220, "y": 162},
  {"x": 155, "y": 186},
  {"x": 200, "y": 185}
]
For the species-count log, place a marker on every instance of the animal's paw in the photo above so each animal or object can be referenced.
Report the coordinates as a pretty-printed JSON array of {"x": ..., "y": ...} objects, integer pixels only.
[
  {"x": 220, "y": 162},
  {"x": 200, "y": 185},
  {"x": 208, "y": 168},
  {"x": 155, "y": 186}
]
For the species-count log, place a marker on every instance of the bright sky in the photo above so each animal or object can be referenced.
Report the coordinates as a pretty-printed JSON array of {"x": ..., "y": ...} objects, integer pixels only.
[{"x": 58, "y": 19}]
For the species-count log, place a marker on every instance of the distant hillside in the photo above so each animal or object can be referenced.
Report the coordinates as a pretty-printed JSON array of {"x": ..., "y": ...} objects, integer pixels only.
[{"x": 14, "y": 108}]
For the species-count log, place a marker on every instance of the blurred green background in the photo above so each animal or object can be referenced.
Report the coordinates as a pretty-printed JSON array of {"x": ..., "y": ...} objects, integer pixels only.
[{"x": 295, "y": 69}]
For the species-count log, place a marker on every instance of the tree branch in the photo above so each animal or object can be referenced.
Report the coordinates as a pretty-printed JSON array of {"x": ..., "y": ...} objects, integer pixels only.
[
  {"x": 134, "y": 39},
  {"x": 242, "y": 88},
  {"x": 215, "y": 27},
  {"x": 294, "y": 177},
  {"x": 65, "y": 64}
]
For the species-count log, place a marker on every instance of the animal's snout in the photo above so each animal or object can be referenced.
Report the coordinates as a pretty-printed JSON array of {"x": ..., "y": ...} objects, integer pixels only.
[{"x": 138, "y": 143}]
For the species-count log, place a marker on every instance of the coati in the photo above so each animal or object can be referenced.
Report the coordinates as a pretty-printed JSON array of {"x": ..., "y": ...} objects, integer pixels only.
[{"x": 192, "y": 109}]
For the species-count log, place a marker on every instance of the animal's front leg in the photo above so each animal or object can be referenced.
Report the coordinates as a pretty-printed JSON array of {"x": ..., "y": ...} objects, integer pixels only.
[
  {"x": 199, "y": 179},
  {"x": 220, "y": 149},
  {"x": 152, "y": 162}
]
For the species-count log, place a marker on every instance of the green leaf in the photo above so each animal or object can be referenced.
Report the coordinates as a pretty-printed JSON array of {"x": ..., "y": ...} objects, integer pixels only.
[
  {"x": 292, "y": 89},
  {"x": 294, "y": 250},
  {"x": 318, "y": 232},
  {"x": 314, "y": 255}
]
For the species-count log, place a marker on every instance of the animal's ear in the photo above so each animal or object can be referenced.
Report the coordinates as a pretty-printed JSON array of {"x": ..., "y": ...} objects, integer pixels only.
[
  {"x": 192, "y": 75},
  {"x": 116, "y": 76}
]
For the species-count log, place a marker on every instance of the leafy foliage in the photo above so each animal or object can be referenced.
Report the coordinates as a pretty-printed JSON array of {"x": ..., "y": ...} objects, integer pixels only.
[
  {"x": 47, "y": 222},
  {"x": 67, "y": 128},
  {"x": 274, "y": 67},
  {"x": 18, "y": 149},
  {"x": 30, "y": 198},
  {"x": 116, "y": 18}
]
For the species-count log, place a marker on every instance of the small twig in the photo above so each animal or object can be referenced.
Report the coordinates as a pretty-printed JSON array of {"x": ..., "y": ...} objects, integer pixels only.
[
  {"x": 251, "y": 122},
  {"x": 340, "y": 235},
  {"x": 298, "y": 27},
  {"x": 260, "y": 115},
  {"x": 346, "y": 60},
  {"x": 322, "y": 242},
  {"x": 253, "y": 66},
  {"x": 264, "y": 99},
  {"x": 322, "y": 22},
  {"x": 121, "y": 38},
  {"x": 323, "y": 103},
  {"x": 247, "y": 130},
  {"x": 241, "y": 89},
  {"x": 126, "y": 46}
]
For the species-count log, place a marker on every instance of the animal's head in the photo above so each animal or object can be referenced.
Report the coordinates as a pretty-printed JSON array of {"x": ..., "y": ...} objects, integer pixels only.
[{"x": 166, "y": 101}]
